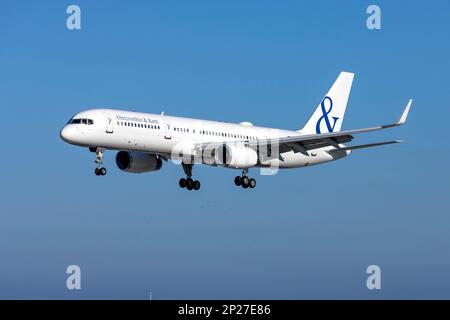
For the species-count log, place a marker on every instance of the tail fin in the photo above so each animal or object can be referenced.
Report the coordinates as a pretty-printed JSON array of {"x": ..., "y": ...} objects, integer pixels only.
[{"x": 329, "y": 115}]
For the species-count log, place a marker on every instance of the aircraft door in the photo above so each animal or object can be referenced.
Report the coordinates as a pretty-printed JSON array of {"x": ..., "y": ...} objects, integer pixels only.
[
  {"x": 167, "y": 130},
  {"x": 109, "y": 123}
]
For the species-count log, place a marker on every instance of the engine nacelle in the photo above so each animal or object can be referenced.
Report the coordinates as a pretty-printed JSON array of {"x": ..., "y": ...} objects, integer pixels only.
[
  {"x": 137, "y": 162},
  {"x": 236, "y": 156}
]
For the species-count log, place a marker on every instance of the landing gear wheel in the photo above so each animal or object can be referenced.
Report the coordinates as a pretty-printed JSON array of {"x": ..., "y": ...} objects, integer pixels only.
[
  {"x": 238, "y": 181},
  {"x": 189, "y": 184},
  {"x": 245, "y": 182},
  {"x": 252, "y": 183},
  {"x": 196, "y": 185},
  {"x": 182, "y": 183},
  {"x": 100, "y": 171}
]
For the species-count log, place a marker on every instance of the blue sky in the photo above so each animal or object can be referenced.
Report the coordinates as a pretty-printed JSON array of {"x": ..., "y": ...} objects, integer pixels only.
[{"x": 306, "y": 233}]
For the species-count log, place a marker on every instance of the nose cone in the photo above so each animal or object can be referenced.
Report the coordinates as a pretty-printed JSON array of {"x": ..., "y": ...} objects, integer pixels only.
[{"x": 68, "y": 134}]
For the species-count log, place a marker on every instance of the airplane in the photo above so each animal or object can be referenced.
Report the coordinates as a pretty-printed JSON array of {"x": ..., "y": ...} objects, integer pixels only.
[{"x": 144, "y": 141}]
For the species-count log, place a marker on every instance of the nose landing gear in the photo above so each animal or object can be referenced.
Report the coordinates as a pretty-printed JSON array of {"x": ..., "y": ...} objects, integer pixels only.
[
  {"x": 189, "y": 183},
  {"x": 244, "y": 181},
  {"x": 100, "y": 170}
]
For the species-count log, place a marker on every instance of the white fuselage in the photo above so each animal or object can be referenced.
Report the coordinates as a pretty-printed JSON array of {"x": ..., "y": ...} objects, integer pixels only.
[{"x": 162, "y": 134}]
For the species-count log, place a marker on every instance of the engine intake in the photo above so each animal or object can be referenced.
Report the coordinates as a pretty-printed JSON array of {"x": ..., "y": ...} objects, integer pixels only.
[{"x": 137, "y": 162}]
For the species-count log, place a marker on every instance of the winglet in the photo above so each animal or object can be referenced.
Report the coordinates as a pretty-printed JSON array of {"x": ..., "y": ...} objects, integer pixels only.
[{"x": 405, "y": 113}]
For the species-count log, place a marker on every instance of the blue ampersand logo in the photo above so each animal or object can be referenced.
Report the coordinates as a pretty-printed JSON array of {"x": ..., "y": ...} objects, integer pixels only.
[{"x": 325, "y": 116}]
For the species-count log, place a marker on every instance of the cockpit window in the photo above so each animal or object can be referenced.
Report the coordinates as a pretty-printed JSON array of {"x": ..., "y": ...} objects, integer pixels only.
[{"x": 81, "y": 121}]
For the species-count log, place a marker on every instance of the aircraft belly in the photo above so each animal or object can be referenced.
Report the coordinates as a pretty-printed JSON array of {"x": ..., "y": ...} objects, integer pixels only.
[{"x": 296, "y": 160}]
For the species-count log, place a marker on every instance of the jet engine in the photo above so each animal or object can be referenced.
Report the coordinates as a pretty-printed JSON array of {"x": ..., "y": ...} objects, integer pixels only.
[
  {"x": 137, "y": 162},
  {"x": 236, "y": 156}
]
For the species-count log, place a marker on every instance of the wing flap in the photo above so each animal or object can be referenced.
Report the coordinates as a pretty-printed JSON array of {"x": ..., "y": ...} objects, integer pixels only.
[{"x": 364, "y": 146}]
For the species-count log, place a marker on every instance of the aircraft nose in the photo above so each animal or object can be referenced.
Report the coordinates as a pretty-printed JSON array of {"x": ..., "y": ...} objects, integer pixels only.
[{"x": 67, "y": 134}]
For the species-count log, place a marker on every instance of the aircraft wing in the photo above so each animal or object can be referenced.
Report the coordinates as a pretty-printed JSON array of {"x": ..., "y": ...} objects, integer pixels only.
[
  {"x": 363, "y": 146},
  {"x": 303, "y": 143}
]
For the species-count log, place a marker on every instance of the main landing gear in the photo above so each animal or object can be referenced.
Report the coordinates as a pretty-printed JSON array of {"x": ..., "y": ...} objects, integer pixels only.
[
  {"x": 100, "y": 170},
  {"x": 244, "y": 181},
  {"x": 189, "y": 183}
]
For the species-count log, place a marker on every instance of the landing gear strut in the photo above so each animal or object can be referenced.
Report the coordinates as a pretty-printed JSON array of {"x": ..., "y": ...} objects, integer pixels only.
[
  {"x": 100, "y": 170},
  {"x": 244, "y": 181},
  {"x": 189, "y": 183}
]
